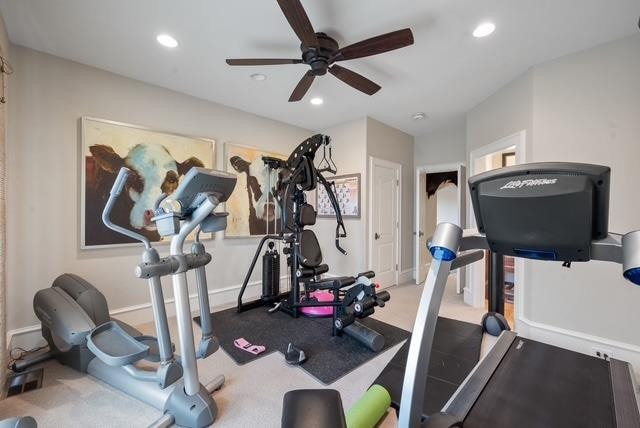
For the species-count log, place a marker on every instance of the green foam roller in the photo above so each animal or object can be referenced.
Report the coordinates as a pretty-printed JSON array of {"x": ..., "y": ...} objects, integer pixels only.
[{"x": 368, "y": 411}]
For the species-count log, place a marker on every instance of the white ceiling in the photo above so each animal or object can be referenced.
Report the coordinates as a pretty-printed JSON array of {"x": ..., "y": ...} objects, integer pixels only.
[{"x": 444, "y": 73}]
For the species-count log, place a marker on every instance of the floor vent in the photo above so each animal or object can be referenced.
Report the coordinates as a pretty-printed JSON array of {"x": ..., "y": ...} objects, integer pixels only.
[{"x": 24, "y": 382}]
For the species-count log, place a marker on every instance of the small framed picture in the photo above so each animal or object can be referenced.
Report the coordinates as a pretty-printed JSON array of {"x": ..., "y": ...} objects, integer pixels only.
[{"x": 347, "y": 190}]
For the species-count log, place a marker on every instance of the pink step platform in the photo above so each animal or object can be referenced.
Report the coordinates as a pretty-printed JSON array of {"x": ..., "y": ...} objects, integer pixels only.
[{"x": 319, "y": 311}]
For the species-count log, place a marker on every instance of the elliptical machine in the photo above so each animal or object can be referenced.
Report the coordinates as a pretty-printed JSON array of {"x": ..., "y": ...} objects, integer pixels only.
[{"x": 80, "y": 333}]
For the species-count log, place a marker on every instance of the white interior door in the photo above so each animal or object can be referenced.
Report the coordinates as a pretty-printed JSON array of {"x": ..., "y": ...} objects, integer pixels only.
[{"x": 385, "y": 208}]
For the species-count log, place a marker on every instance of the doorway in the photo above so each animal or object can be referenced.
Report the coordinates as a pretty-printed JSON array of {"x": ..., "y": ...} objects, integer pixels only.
[
  {"x": 507, "y": 151},
  {"x": 385, "y": 218},
  {"x": 440, "y": 197}
]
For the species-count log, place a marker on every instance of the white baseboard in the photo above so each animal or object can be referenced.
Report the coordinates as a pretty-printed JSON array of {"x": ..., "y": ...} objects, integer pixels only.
[
  {"x": 406, "y": 276},
  {"x": 30, "y": 336},
  {"x": 579, "y": 342}
]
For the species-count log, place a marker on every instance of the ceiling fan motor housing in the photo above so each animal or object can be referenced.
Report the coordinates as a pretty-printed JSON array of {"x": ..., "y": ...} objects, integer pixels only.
[{"x": 319, "y": 57}]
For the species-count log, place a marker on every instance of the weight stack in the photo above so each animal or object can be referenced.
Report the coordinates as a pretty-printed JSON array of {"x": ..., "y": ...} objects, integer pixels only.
[{"x": 270, "y": 276}]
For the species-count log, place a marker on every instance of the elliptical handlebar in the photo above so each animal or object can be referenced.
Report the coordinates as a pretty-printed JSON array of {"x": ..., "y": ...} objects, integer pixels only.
[
  {"x": 116, "y": 189},
  {"x": 121, "y": 179}
]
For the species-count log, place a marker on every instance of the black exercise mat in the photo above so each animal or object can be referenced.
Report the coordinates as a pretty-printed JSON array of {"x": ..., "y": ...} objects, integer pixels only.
[
  {"x": 456, "y": 350},
  {"x": 328, "y": 358}
]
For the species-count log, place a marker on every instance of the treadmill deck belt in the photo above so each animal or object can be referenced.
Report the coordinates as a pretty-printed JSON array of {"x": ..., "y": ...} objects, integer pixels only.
[
  {"x": 539, "y": 385},
  {"x": 456, "y": 350}
]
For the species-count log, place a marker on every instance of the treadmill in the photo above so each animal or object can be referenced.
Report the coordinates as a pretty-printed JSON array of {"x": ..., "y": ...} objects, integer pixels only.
[{"x": 551, "y": 212}]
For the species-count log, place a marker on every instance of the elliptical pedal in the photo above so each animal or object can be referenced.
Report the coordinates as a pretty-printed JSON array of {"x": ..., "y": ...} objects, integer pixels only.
[{"x": 114, "y": 346}]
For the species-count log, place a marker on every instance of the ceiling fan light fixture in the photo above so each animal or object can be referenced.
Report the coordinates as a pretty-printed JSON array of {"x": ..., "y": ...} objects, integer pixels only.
[
  {"x": 316, "y": 101},
  {"x": 419, "y": 116},
  {"x": 484, "y": 29},
  {"x": 259, "y": 77},
  {"x": 320, "y": 52},
  {"x": 167, "y": 41}
]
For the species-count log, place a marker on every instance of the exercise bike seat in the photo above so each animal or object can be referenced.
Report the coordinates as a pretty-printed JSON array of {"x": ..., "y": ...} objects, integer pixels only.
[{"x": 114, "y": 346}]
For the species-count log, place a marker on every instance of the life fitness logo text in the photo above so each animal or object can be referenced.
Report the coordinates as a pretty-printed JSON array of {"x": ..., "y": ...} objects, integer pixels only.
[{"x": 519, "y": 184}]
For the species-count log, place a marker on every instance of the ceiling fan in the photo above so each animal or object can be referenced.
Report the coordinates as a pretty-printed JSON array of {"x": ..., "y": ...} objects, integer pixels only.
[{"x": 320, "y": 52}]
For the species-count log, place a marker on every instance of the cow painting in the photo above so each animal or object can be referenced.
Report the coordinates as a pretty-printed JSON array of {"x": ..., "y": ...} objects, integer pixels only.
[
  {"x": 436, "y": 180},
  {"x": 156, "y": 165},
  {"x": 253, "y": 210}
]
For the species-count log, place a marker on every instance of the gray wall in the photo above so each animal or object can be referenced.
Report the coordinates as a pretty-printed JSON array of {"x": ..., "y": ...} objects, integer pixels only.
[
  {"x": 50, "y": 95},
  {"x": 446, "y": 144},
  {"x": 504, "y": 113},
  {"x": 4, "y": 51},
  {"x": 4, "y": 38},
  {"x": 385, "y": 142},
  {"x": 353, "y": 143},
  {"x": 583, "y": 107},
  {"x": 587, "y": 109},
  {"x": 349, "y": 141}
]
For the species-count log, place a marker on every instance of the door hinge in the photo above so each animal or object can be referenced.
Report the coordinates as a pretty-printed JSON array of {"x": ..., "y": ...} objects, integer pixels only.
[
  {"x": 397, "y": 182},
  {"x": 396, "y": 267}
]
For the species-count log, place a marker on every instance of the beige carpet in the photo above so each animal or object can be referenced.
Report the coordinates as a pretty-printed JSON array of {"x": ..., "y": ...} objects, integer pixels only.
[{"x": 251, "y": 397}]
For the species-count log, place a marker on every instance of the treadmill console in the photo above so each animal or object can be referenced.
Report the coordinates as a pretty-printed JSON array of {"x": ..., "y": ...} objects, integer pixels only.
[{"x": 544, "y": 211}]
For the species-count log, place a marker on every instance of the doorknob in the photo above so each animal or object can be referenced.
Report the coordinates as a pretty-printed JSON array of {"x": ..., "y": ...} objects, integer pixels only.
[
  {"x": 420, "y": 234},
  {"x": 376, "y": 236}
]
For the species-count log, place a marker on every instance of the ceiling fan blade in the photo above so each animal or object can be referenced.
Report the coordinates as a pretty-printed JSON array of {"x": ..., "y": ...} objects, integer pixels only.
[
  {"x": 354, "y": 80},
  {"x": 299, "y": 21},
  {"x": 375, "y": 45},
  {"x": 303, "y": 86},
  {"x": 262, "y": 61}
]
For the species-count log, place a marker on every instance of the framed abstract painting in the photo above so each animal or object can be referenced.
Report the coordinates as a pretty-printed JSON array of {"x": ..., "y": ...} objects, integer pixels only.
[
  {"x": 252, "y": 209},
  {"x": 157, "y": 161}
]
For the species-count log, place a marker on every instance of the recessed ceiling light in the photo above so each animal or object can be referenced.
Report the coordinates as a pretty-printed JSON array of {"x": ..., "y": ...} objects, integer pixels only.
[
  {"x": 258, "y": 76},
  {"x": 419, "y": 116},
  {"x": 484, "y": 29},
  {"x": 316, "y": 101},
  {"x": 167, "y": 41}
]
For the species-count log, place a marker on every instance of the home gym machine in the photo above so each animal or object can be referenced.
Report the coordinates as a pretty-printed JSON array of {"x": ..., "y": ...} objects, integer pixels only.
[
  {"x": 545, "y": 211},
  {"x": 80, "y": 333},
  {"x": 297, "y": 175}
]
